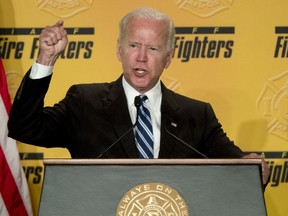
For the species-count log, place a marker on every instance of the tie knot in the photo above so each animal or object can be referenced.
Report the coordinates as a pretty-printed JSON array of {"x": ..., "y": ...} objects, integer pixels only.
[{"x": 143, "y": 97}]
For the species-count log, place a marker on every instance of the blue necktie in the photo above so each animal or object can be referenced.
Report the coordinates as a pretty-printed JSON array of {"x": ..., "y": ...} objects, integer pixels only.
[{"x": 143, "y": 131}]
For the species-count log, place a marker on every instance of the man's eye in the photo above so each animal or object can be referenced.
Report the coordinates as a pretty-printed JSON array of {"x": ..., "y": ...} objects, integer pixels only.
[
  {"x": 153, "y": 48},
  {"x": 133, "y": 45}
]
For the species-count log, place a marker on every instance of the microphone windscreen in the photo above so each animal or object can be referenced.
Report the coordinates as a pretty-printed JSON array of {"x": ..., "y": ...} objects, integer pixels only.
[{"x": 137, "y": 101}]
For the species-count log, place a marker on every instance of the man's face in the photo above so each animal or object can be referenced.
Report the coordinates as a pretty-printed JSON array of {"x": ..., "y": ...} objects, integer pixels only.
[{"x": 143, "y": 53}]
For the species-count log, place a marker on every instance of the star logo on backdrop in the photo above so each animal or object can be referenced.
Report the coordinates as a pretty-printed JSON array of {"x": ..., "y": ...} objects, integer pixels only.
[
  {"x": 204, "y": 8},
  {"x": 273, "y": 103},
  {"x": 64, "y": 8}
]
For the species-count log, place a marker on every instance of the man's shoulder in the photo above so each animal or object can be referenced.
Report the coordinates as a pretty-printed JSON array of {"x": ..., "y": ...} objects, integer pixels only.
[
  {"x": 96, "y": 90},
  {"x": 93, "y": 86},
  {"x": 98, "y": 85}
]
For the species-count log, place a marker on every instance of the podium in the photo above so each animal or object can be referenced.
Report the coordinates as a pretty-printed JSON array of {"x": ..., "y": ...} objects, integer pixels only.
[{"x": 152, "y": 187}]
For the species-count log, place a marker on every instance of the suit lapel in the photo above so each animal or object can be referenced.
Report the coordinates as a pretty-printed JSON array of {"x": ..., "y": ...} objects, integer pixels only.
[
  {"x": 169, "y": 121},
  {"x": 116, "y": 108}
]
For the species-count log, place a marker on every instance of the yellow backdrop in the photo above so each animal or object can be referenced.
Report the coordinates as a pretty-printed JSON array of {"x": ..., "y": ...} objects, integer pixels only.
[{"x": 230, "y": 53}]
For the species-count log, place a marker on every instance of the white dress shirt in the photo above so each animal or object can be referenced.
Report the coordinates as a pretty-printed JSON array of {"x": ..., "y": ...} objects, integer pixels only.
[{"x": 153, "y": 103}]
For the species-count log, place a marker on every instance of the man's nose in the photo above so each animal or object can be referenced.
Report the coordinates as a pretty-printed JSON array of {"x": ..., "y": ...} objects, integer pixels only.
[{"x": 142, "y": 54}]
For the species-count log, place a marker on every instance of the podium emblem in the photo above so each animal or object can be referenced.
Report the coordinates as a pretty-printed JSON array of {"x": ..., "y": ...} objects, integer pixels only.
[{"x": 152, "y": 199}]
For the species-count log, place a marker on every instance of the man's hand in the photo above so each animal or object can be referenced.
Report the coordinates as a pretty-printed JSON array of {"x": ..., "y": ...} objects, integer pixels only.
[
  {"x": 265, "y": 168},
  {"x": 53, "y": 41}
]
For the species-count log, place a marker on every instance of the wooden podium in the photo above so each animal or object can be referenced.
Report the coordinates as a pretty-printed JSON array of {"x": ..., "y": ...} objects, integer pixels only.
[{"x": 140, "y": 187}]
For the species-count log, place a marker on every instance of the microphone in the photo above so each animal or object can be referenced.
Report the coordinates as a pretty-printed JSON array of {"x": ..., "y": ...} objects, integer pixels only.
[
  {"x": 137, "y": 103},
  {"x": 185, "y": 144}
]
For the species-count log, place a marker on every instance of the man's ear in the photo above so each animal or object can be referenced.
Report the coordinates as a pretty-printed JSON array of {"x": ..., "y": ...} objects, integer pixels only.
[{"x": 119, "y": 50}]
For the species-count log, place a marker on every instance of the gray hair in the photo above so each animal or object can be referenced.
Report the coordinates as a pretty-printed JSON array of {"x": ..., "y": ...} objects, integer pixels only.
[{"x": 149, "y": 13}]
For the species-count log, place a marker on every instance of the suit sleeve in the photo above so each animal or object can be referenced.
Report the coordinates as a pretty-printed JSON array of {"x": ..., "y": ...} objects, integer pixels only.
[
  {"x": 217, "y": 143},
  {"x": 30, "y": 122}
]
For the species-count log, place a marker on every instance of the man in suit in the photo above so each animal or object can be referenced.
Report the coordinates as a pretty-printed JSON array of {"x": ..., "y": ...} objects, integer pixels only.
[{"x": 96, "y": 120}]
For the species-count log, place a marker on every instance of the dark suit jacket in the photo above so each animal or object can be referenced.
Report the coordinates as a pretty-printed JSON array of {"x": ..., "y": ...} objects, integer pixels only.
[{"x": 93, "y": 116}]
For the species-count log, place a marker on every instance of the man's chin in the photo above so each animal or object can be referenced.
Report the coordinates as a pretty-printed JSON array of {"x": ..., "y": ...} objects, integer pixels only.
[
  {"x": 140, "y": 83},
  {"x": 140, "y": 88}
]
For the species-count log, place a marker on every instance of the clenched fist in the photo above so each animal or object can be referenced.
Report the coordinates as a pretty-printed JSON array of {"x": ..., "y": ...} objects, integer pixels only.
[{"x": 53, "y": 41}]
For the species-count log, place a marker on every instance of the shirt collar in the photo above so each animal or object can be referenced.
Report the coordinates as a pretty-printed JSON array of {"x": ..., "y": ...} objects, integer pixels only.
[{"x": 153, "y": 94}]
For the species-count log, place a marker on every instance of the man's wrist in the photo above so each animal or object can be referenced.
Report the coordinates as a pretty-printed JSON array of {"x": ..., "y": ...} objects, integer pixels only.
[{"x": 44, "y": 60}]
